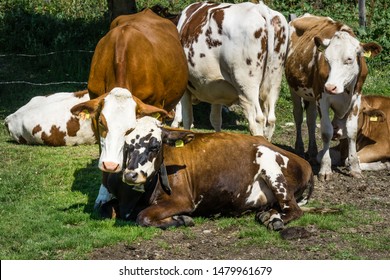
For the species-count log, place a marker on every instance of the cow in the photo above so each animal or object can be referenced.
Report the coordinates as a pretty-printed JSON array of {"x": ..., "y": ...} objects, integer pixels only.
[
  {"x": 47, "y": 120},
  {"x": 325, "y": 67},
  {"x": 138, "y": 63},
  {"x": 235, "y": 54},
  {"x": 373, "y": 138},
  {"x": 182, "y": 174}
]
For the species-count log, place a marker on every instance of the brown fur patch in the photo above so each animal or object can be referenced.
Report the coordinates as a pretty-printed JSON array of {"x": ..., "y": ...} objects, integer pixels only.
[
  {"x": 55, "y": 138},
  {"x": 73, "y": 126},
  {"x": 36, "y": 129}
]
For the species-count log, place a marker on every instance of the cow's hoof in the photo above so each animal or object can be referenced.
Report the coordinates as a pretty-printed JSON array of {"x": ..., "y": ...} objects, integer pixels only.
[
  {"x": 184, "y": 220},
  {"x": 356, "y": 174},
  {"x": 277, "y": 225},
  {"x": 325, "y": 177},
  {"x": 263, "y": 217}
]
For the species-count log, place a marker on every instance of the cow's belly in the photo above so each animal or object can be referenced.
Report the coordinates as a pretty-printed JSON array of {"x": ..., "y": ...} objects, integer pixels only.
[
  {"x": 235, "y": 202},
  {"x": 218, "y": 91}
]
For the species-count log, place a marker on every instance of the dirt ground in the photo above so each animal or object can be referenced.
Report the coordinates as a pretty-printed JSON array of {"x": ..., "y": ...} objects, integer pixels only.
[{"x": 208, "y": 241}]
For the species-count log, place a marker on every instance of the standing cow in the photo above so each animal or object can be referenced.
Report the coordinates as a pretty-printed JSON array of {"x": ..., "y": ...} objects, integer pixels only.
[
  {"x": 47, "y": 120},
  {"x": 235, "y": 54},
  {"x": 138, "y": 63},
  {"x": 373, "y": 138},
  {"x": 188, "y": 174},
  {"x": 325, "y": 67}
]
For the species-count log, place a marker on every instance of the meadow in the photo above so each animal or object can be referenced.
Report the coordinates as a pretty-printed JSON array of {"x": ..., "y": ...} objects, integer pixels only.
[{"x": 47, "y": 194}]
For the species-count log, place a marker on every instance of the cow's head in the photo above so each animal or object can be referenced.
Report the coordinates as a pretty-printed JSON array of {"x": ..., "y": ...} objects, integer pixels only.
[
  {"x": 114, "y": 116},
  {"x": 144, "y": 149},
  {"x": 341, "y": 60}
]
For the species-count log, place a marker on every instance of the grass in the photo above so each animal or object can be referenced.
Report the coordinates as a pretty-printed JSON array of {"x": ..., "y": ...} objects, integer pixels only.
[{"x": 47, "y": 194}]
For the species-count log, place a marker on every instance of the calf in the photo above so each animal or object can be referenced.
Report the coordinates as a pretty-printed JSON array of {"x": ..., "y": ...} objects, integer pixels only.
[
  {"x": 325, "y": 68},
  {"x": 188, "y": 174},
  {"x": 47, "y": 120},
  {"x": 373, "y": 139}
]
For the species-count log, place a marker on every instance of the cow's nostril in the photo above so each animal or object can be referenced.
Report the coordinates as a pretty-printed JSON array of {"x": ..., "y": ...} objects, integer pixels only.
[{"x": 131, "y": 176}]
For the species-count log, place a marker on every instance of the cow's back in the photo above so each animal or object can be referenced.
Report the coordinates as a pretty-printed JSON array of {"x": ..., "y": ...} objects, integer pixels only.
[
  {"x": 48, "y": 120},
  {"x": 218, "y": 171},
  {"x": 143, "y": 54}
]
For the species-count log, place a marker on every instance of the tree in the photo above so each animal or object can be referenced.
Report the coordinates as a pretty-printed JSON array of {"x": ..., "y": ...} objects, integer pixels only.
[
  {"x": 121, "y": 7},
  {"x": 362, "y": 14}
]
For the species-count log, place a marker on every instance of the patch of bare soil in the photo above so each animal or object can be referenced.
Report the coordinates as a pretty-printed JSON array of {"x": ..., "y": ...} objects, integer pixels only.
[{"x": 207, "y": 241}]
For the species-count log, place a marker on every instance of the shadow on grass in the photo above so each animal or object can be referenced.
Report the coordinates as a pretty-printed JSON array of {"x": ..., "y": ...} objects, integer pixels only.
[{"x": 87, "y": 180}]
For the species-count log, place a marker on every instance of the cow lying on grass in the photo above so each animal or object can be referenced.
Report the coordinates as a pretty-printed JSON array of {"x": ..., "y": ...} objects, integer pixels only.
[
  {"x": 373, "y": 139},
  {"x": 181, "y": 174},
  {"x": 47, "y": 120}
]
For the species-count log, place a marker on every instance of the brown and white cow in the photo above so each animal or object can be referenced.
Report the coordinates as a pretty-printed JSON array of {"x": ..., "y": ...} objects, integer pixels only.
[
  {"x": 325, "y": 67},
  {"x": 138, "y": 63},
  {"x": 235, "y": 54},
  {"x": 47, "y": 120},
  {"x": 201, "y": 174},
  {"x": 373, "y": 138}
]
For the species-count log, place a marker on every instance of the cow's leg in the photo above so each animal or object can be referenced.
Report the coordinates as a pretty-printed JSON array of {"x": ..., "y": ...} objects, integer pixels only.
[
  {"x": 165, "y": 214},
  {"x": 375, "y": 166},
  {"x": 104, "y": 195},
  {"x": 298, "y": 119},
  {"x": 325, "y": 172},
  {"x": 311, "y": 121},
  {"x": 178, "y": 116},
  {"x": 251, "y": 107},
  {"x": 269, "y": 111},
  {"x": 271, "y": 172},
  {"x": 216, "y": 116},
  {"x": 352, "y": 127},
  {"x": 187, "y": 111}
]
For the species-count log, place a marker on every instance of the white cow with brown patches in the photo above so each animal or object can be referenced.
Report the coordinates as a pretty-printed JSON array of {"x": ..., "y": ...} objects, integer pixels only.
[
  {"x": 188, "y": 174},
  {"x": 325, "y": 68},
  {"x": 47, "y": 120},
  {"x": 235, "y": 54}
]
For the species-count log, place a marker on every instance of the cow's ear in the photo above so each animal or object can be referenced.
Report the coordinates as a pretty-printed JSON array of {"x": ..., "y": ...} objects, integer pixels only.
[
  {"x": 375, "y": 115},
  {"x": 177, "y": 137},
  {"x": 371, "y": 49},
  {"x": 150, "y": 110},
  {"x": 89, "y": 107},
  {"x": 320, "y": 44}
]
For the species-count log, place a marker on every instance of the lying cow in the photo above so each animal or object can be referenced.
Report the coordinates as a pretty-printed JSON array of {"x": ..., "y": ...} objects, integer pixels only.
[
  {"x": 373, "y": 139},
  {"x": 188, "y": 174},
  {"x": 325, "y": 67},
  {"x": 138, "y": 63},
  {"x": 47, "y": 120},
  {"x": 235, "y": 54}
]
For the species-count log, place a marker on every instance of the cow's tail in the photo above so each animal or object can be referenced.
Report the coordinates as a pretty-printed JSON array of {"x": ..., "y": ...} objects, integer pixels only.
[{"x": 305, "y": 198}]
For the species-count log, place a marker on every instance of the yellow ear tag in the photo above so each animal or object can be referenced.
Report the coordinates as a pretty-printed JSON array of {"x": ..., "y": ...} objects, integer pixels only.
[
  {"x": 367, "y": 54},
  {"x": 179, "y": 143},
  {"x": 84, "y": 115},
  {"x": 373, "y": 118},
  {"x": 156, "y": 115}
]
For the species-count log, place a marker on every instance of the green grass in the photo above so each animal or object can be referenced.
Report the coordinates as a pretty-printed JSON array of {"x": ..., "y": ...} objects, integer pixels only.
[{"x": 47, "y": 194}]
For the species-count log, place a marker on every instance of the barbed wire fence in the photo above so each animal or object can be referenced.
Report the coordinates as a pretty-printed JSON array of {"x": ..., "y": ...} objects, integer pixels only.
[
  {"x": 374, "y": 63},
  {"x": 11, "y": 55}
]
